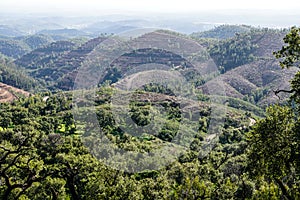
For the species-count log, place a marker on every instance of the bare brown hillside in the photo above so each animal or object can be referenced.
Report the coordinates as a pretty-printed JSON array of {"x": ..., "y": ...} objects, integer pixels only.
[
  {"x": 258, "y": 79},
  {"x": 9, "y": 93}
]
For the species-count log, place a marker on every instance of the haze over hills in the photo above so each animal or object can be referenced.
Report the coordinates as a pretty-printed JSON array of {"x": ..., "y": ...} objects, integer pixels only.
[{"x": 16, "y": 24}]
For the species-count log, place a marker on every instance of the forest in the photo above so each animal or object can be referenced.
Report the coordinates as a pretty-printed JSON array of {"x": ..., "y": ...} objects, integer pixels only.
[{"x": 46, "y": 136}]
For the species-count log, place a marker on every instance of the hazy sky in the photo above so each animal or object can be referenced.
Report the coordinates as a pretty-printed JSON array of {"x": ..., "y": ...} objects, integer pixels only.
[{"x": 107, "y": 6}]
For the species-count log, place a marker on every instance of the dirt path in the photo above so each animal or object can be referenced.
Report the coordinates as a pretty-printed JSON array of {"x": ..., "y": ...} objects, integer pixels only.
[{"x": 212, "y": 136}]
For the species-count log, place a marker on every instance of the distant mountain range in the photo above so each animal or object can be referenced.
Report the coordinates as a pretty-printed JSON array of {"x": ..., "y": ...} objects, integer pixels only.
[
  {"x": 95, "y": 26},
  {"x": 8, "y": 31}
]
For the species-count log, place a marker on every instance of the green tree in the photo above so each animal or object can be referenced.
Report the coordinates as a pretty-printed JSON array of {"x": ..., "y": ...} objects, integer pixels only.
[
  {"x": 20, "y": 165},
  {"x": 289, "y": 56},
  {"x": 274, "y": 149},
  {"x": 274, "y": 143},
  {"x": 290, "y": 53}
]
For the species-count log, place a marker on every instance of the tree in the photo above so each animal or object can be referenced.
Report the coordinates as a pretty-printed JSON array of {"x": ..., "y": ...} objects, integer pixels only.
[
  {"x": 274, "y": 143},
  {"x": 20, "y": 165},
  {"x": 290, "y": 54},
  {"x": 274, "y": 149}
]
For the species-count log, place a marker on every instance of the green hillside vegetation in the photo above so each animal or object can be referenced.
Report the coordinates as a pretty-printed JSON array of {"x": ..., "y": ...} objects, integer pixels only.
[
  {"x": 53, "y": 150},
  {"x": 246, "y": 61},
  {"x": 16, "y": 47},
  {"x": 246, "y": 47},
  {"x": 13, "y": 48},
  {"x": 36, "y": 41},
  {"x": 60, "y": 166},
  {"x": 51, "y": 63},
  {"x": 11, "y": 75},
  {"x": 44, "y": 55},
  {"x": 14, "y": 77},
  {"x": 223, "y": 31}
]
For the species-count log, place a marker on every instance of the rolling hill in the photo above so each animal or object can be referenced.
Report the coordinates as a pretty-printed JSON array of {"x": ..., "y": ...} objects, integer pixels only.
[
  {"x": 223, "y": 32},
  {"x": 8, "y": 31},
  {"x": 248, "y": 69},
  {"x": 9, "y": 93},
  {"x": 246, "y": 48},
  {"x": 56, "y": 61},
  {"x": 254, "y": 82},
  {"x": 162, "y": 98},
  {"x": 15, "y": 47},
  {"x": 63, "y": 34}
]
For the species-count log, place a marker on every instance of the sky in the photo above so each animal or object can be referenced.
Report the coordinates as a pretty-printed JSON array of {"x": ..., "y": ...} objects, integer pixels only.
[{"x": 120, "y": 6}]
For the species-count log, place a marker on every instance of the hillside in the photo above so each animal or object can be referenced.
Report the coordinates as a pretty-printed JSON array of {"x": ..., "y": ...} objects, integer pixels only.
[
  {"x": 65, "y": 33},
  {"x": 10, "y": 31},
  {"x": 54, "y": 62},
  {"x": 254, "y": 82},
  {"x": 246, "y": 48},
  {"x": 44, "y": 55},
  {"x": 223, "y": 31},
  {"x": 141, "y": 54},
  {"x": 16, "y": 47},
  {"x": 248, "y": 69},
  {"x": 9, "y": 93},
  {"x": 158, "y": 116},
  {"x": 36, "y": 41},
  {"x": 13, "y": 48},
  {"x": 16, "y": 77},
  {"x": 56, "y": 143}
]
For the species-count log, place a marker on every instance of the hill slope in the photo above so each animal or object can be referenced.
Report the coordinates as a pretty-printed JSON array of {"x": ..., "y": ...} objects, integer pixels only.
[
  {"x": 253, "y": 82},
  {"x": 9, "y": 93},
  {"x": 16, "y": 47},
  {"x": 246, "y": 48},
  {"x": 56, "y": 61},
  {"x": 222, "y": 32},
  {"x": 248, "y": 69}
]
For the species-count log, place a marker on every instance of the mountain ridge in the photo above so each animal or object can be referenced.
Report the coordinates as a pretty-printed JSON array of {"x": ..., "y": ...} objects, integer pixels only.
[{"x": 249, "y": 80}]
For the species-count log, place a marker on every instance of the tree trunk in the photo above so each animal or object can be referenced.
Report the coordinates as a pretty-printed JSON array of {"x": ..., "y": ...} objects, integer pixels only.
[
  {"x": 6, "y": 193},
  {"x": 283, "y": 189},
  {"x": 72, "y": 189}
]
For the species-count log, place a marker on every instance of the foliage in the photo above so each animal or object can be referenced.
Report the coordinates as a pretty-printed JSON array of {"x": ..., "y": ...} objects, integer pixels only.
[
  {"x": 289, "y": 56},
  {"x": 10, "y": 75},
  {"x": 233, "y": 52},
  {"x": 18, "y": 46},
  {"x": 44, "y": 161},
  {"x": 273, "y": 153},
  {"x": 291, "y": 52},
  {"x": 42, "y": 155}
]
